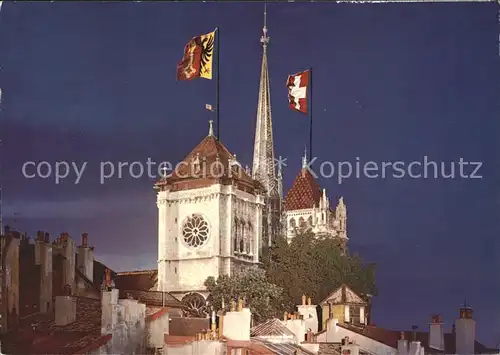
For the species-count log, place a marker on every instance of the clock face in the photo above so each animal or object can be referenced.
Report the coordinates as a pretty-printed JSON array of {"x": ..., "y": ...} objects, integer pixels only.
[{"x": 195, "y": 231}]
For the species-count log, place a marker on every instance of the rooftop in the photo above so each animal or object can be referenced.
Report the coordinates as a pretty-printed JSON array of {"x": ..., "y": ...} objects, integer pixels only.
[
  {"x": 391, "y": 337},
  {"x": 271, "y": 328},
  {"x": 209, "y": 161},
  {"x": 304, "y": 193}
]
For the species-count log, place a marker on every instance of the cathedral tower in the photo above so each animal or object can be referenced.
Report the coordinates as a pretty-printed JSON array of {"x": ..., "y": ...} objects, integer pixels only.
[
  {"x": 263, "y": 169},
  {"x": 209, "y": 221}
]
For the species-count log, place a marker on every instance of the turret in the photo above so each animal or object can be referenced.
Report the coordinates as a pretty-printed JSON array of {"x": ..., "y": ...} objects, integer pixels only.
[{"x": 341, "y": 217}]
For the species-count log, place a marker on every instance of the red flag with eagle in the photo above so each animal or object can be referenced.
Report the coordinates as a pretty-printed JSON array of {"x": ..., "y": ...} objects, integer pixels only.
[
  {"x": 198, "y": 58},
  {"x": 297, "y": 91}
]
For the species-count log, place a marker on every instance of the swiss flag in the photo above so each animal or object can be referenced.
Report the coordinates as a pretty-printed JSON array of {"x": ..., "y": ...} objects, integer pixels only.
[{"x": 297, "y": 91}]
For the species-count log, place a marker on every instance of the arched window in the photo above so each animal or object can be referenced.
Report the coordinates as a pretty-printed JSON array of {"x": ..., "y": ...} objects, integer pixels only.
[
  {"x": 249, "y": 232},
  {"x": 310, "y": 221},
  {"x": 236, "y": 232},
  {"x": 292, "y": 223},
  {"x": 247, "y": 245},
  {"x": 302, "y": 222}
]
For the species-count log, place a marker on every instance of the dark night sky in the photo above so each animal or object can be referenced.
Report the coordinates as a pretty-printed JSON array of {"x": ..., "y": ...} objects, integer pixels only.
[{"x": 96, "y": 82}]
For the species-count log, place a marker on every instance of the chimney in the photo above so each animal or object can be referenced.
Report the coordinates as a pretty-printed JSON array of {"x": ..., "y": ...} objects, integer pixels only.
[
  {"x": 414, "y": 332},
  {"x": 402, "y": 345},
  {"x": 11, "y": 282},
  {"x": 416, "y": 348},
  {"x": 109, "y": 302},
  {"x": 308, "y": 312},
  {"x": 67, "y": 248},
  {"x": 25, "y": 242},
  {"x": 45, "y": 262},
  {"x": 309, "y": 336},
  {"x": 213, "y": 324},
  {"x": 39, "y": 241},
  {"x": 436, "y": 333},
  {"x": 237, "y": 323},
  {"x": 85, "y": 259},
  {"x": 465, "y": 331},
  {"x": 40, "y": 235},
  {"x": 65, "y": 309}
]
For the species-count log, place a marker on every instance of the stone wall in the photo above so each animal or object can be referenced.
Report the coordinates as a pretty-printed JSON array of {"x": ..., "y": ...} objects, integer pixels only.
[{"x": 125, "y": 321}]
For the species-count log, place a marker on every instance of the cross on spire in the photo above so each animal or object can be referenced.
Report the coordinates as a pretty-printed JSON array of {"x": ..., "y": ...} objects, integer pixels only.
[
  {"x": 264, "y": 39},
  {"x": 211, "y": 128},
  {"x": 304, "y": 159}
]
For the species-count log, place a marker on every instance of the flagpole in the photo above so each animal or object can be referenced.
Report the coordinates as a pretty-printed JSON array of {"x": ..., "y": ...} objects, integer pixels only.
[
  {"x": 310, "y": 113},
  {"x": 217, "y": 30}
]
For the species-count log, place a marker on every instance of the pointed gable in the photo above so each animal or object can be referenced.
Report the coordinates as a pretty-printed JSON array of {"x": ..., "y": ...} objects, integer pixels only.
[
  {"x": 343, "y": 295},
  {"x": 305, "y": 192}
]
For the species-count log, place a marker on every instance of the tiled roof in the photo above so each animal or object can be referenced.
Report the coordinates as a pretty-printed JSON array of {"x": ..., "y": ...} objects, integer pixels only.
[
  {"x": 304, "y": 193},
  {"x": 208, "y": 151},
  {"x": 152, "y": 298},
  {"x": 38, "y": 333},
  {"x": 343, "y": 295},
  {"x": 270, "y": 328},
  {"x": 99, "y": 272},
  {"x": 144, "y": 280},
  {"x": 391, "y": 337},
  {"x": 282, "y": 348},
  {"x": 329, "y": 349},
  {"x": 263, "y": 347},
  {"x": 178, "y": 340},
  {"x": 153, "y": 313},
  {"x": 183, "y": 326}
]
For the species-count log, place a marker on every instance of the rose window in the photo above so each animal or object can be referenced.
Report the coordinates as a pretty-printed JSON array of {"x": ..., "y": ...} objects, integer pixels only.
[{"x": 195, "y": 231}]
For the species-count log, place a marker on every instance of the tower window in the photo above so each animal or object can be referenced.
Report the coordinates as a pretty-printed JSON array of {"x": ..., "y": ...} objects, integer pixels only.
[{"x": 195, "y": 231}]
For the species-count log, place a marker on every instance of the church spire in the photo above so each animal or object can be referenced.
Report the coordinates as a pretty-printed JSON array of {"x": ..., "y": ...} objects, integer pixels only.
[
  {"x": 263, "y": 152},
  {"x": 304, "y": 159}
]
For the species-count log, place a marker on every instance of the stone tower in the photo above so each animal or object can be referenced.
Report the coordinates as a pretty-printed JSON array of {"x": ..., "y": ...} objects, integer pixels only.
[{"x": 209, "y": 221}]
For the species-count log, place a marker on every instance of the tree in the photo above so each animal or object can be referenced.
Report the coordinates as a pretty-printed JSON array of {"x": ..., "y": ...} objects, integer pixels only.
[
  {"x": 263, "y": 297},
  {"x": 315, "y": 267}
]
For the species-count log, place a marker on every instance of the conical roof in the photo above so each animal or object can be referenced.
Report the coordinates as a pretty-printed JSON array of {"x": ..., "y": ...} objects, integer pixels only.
[{"x": 304, "y": 193}]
